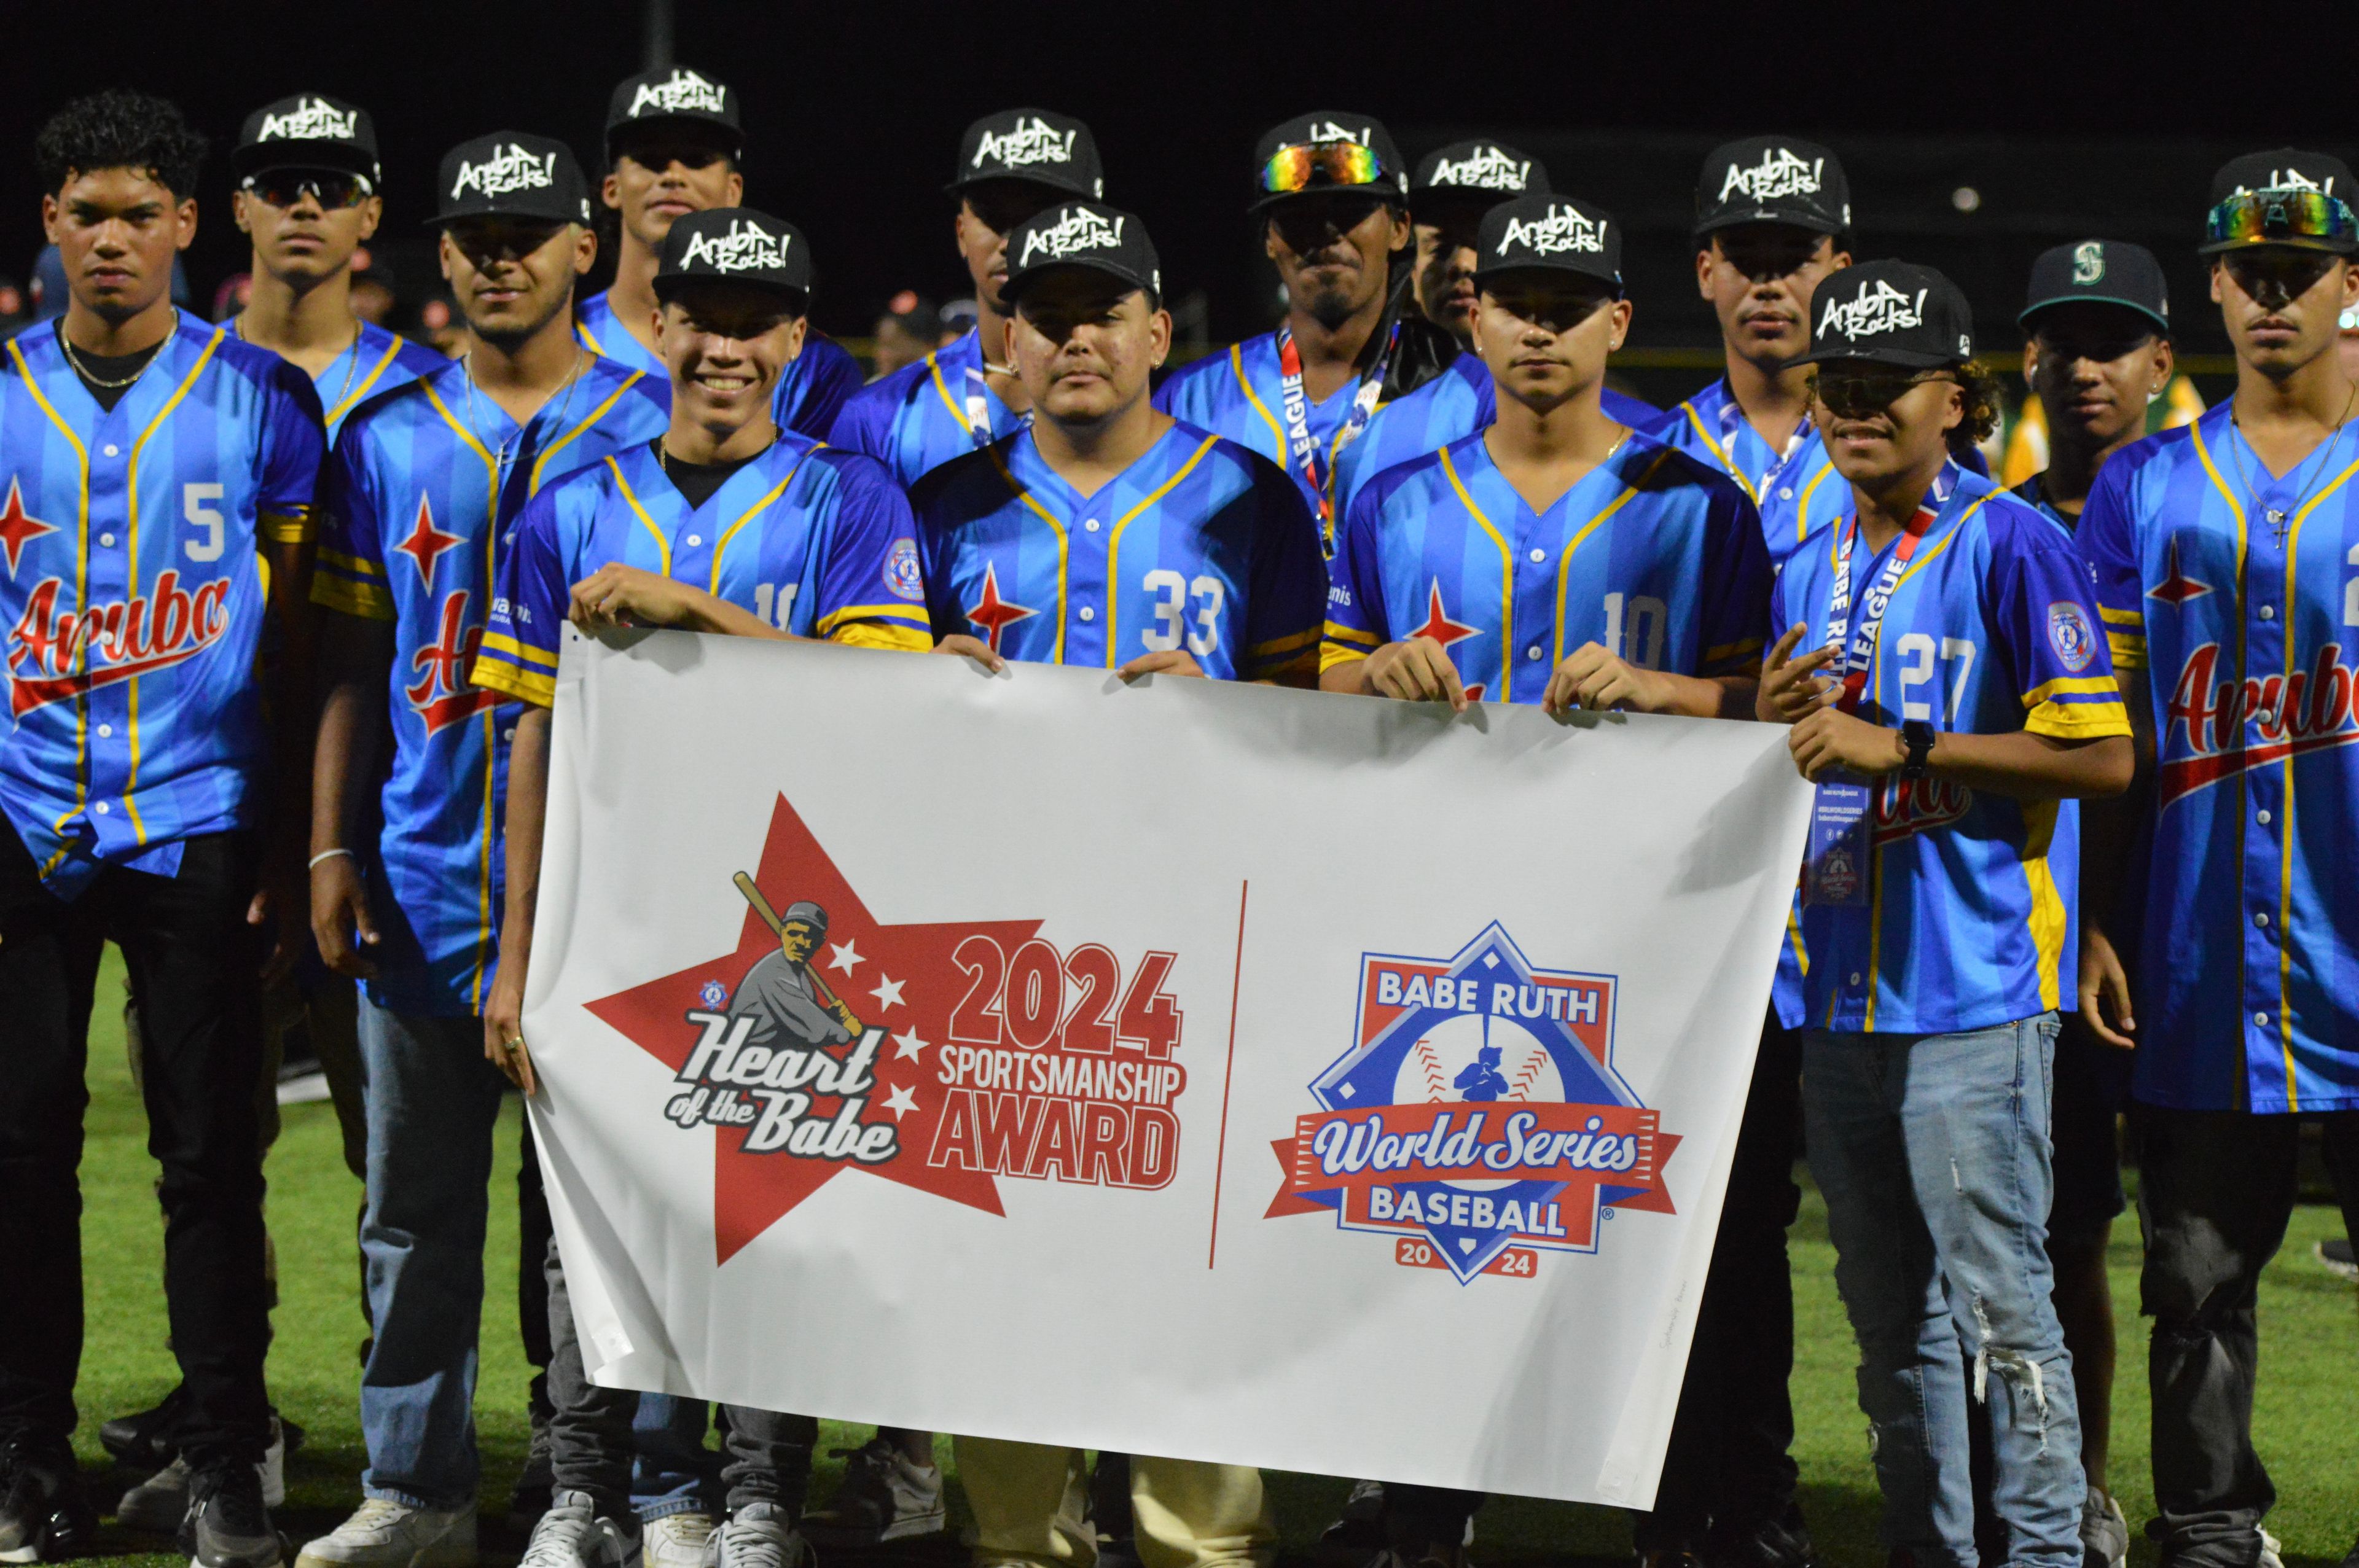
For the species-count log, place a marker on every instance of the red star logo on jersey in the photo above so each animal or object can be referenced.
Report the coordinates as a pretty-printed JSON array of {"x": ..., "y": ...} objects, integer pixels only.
[
  {"x": 994, "y": 614},
  {"x": 916, "y": 984},
  {"x": 18, "y": 527},
  {"x": 2177, "y": 588},
  {"x": 426, "y": 543},
  {"x": 1446, "y": 632}
]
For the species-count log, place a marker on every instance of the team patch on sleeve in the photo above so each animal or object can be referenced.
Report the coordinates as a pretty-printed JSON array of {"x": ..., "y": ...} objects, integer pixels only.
[
  {"x": 2071, "y": 636},
  {"x": 901, "y": 571}
]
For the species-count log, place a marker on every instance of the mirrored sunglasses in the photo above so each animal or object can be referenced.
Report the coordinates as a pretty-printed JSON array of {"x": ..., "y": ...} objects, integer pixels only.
[{"x": 1311, "y": 165}]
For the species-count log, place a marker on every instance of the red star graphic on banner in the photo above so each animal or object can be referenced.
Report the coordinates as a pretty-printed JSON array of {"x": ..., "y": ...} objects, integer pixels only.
[
  {"x": 18, "y": 527},
  {"x": 994, "y": 613},
  {"x": 902, "y": 978},
  {"x": 1444, "y": 630},
  {"x": 2177, "y": 588},
  {"x": 426, "y": 543}
]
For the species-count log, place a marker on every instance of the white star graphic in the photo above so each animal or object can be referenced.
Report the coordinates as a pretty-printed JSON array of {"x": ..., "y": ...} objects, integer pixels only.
[
  {"x": 888, "y": 992},
  {"x": 907, "y": 1046},
  {"x": 847, "y": 957},
  {"x": 900, "y": 1102}
]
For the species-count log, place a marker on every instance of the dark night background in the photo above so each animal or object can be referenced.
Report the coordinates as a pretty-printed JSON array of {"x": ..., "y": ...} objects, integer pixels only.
[{"x": 2065, "y": 120}]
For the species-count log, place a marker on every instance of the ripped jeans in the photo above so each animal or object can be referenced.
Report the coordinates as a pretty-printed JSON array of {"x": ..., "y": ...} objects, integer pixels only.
[{"x": 1933, "y": 1153}]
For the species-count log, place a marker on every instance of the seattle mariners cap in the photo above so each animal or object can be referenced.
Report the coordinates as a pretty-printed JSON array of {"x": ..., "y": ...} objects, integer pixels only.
[
  {"x": 735, "y": 244},
  {"x": 309, "y": 130},
  {"x": 1773, "y": 179},
  {"x": 511, "y": 174},
  {"x": 1553, "y": 232},
  {"x": 1034, "y": 146},
  {"x": 2284, "y": 198},
  {"x": 2102, "y": 271},
  {"x": 1082, "y": 234},
  {"x": 672, "y": 100},
  {"x": 1478, "y": 173},
  {"x": 1890, "y": 313},
  {"x": 1318, "y": 154}
]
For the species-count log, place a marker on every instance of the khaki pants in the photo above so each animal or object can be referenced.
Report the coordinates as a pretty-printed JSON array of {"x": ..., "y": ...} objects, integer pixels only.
[{"x": 1031, "y": 1507}]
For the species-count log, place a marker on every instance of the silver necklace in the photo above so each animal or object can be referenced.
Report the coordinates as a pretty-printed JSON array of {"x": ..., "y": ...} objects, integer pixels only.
[
  {"x": 2278, "y": 519},
  {"x": 500, "y": 461},
  {"x": 352, "y": 364},
  {"x": 83, "y": 370}
]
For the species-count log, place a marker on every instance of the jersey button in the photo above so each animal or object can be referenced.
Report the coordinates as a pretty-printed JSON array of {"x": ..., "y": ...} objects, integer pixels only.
[
  {"x": 1091, "y": 525},
  {"x": 112, "y": 449},
  {"x": 108, "y": 540},
  {"x": 1088, "y": 615},
  {"x": 102, "y": 808},
  {"x": 2261, "y": 918},
  {"x": 2268, "y": 612},
  {"x": 1854, "y": 977},
  {"x": 1540, "y": 555},
  {"x": 694, "y": 540},
  {"x": 2264, "y": 815},
  {"x": 1786, "y": 494},
  {"x": 105, "y": 731},
  {"x": 2262, "y": 1018}
]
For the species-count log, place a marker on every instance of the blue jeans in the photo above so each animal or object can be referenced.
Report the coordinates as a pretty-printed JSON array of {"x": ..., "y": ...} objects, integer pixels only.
[
  {"x": 1933, "y": 1152},
  {"x": 433, "y": 1102},
  {"x": 672, "y": 1472}
]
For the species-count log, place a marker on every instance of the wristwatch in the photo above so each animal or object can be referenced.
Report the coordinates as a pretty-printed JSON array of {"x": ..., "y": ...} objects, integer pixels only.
[{"x": 1917, "y": 744}]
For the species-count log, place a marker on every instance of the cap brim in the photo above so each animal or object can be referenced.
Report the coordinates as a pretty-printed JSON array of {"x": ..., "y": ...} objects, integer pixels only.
[
  {"x": 443, "y": 219},
  {"x": 718, "y": 131},
  {"x": 1899, "y": 359},
  {"x": 2036, "y": 306},
  {"x": 1061, "y": 187},
  {"x": 1381, "y": 191},
  {"x": 275, "y": 155},
  {"x": 1017, "y": 283},
  {"x": 2291, "y": 242},
  {"x": 1817, "y": 223},
  {"x": 665, "y": 288},
  {"x": 1563, "y": 268}
]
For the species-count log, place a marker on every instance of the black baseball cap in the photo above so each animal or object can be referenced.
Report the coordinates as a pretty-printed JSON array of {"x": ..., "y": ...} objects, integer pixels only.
[
  {"x": 2287, "y": 169},
  {"x": 1082, "y": 234},
  {"x": 1554, "y": 234},
  {"x": 1036, "y": 146},
  {"x": 1385, "y": 175},
  {"x": 309, "y": 130},
  {"x": 511, "y": 174},
  {"x": 2100, "y": 271},
  {"x": 735, "y": 244},
  {"x": 674, "y": 99},
  {"x": 1479, "y": 172},
  {"x": 1890, "y": 313},
  {"x": 1772, "y": 179}
]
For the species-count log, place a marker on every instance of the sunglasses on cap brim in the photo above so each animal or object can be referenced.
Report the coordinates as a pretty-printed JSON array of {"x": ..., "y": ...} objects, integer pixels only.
[
  {"x": 332, "y": 188},
  {"x": 1315, "y": 164},
  {"x": 2282, "y": 218}
]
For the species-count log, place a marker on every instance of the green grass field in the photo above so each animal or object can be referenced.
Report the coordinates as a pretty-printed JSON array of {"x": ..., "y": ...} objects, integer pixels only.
[{"x": 2308, "y": 1419}]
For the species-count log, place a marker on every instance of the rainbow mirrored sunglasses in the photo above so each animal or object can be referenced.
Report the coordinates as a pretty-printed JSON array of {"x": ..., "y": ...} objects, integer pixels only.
[
  {"x": 1312, "y": 164},
  {"x": 2281, "y": 217}
]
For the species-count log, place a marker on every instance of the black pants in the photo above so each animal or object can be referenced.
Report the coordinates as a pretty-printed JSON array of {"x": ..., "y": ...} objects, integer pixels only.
[
  {"x": 769, "y": 1456},
  {"x": 533, "y": 1243},
  {"x": 2216, "y": 1189},
  {"x": 193, "y": 964}
]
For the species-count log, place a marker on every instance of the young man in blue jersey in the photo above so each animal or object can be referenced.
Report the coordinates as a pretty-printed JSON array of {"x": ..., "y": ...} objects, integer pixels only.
[
  {"x": 157, "y": 518},
  {"x": 2218, "y": 940},
  {"x": 1011, "y": 166},
  {"x": 673, "y": 145},
  {"x": 428, "y": 481},
  {"x": 654, "y": 534},
  {"x": 1956, "y": 702}
]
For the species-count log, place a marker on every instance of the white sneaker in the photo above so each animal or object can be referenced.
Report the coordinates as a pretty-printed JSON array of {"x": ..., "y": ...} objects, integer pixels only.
[
  {"x": 676, "y": 1540},
  {"x": 2272, "y": 1552},
  {"x": 385, "y": 1535},
  {"x": 2104, "y": 1533},
  {"x": 161, "y": 1501},
  {"x": 756, "y": 1536},
  {"x": 571, "y": 1534},
  {"x": 884, "y": 1496}
]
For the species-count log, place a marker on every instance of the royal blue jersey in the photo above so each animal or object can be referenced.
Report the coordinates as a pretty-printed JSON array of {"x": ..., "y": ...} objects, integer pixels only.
[
  {"x": 1796, "y": 490},
  {"x": 135, "y": 592},
  {"x": 1241, "y": 396},
  {"x": 413, "y": 536},
  {"x": 1650, "y": 554},
  {"x": 813, "y": 386},
  {"x": 924, "y": 414},
  {"x": 814, "y": 541},
  {"x": 1991, "y": 629},
  {"x": 377, "y": 362},
  {"x": 1460, "y": 401},
  {"x": 1199, "y": 544},
  {"x": 2247, "y": 995}
]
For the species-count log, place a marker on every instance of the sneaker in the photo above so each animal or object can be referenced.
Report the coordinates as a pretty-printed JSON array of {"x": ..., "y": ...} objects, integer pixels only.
[
  {"x": 2272, "y": 1552},
  {"x": 227, "y": 1525},
  {"x": 2104, "y": 1533},
  {"x": 161, "y": 1501},
  {"x": 574, "y": 1534},
  {"x": 144, "y": 1438},
  {"x": 383, "y": 1533},
  {"x": 758, "y": 1535},
  {"x": 1356, "y": 1539},
  {"x": 1777, "y": 1543},
  {"x": 2336, "y": 1254},
  {"x": 44, "y": 1516},
  {"x": 884, "y": 1496},
  {"x": 676, "y": 1540},
  {"x": 535, "y": 1482}
]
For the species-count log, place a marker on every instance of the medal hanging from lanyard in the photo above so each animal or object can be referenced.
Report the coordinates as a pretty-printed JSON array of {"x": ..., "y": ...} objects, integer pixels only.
[
  {"x": 1300, "y": 448},
  {"x": 1836, "y": 873}
]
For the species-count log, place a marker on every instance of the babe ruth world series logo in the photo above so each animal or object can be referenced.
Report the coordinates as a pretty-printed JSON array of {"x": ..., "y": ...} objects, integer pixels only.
[{"x": 1477, "y": 1119}]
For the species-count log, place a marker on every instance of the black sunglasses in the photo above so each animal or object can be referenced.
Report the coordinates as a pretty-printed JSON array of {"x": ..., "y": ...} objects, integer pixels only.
[
  {"x": 332, "y": 188},
  {"x": 1858, "y": 391}
]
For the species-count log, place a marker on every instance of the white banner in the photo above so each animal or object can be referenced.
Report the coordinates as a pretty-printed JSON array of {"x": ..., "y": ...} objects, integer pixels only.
[{"x": 1187, "y": 1069}]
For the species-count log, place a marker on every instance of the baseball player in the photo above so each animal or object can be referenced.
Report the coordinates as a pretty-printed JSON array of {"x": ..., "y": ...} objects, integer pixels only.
[
  {"x": 427, "y": 479},
  {"x": 156, "y": 517},
  {"x": 1448, "y": 194},
  {"x": 2216, "y": 937},
  {"x": 725, "y": 523},
  {"x": 673, "y": 146},
  {"x": 788, "y": 1003},
  {"x": 1011, "y": 165},
  {"x": 1109, "y": 533},
  {"x": 1956, "y": 700}
]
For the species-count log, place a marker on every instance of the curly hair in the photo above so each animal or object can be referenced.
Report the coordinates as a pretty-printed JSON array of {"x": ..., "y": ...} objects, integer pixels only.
[
  {"x": 120, "y": 128},
  {"x": 1978, "y": 390}
]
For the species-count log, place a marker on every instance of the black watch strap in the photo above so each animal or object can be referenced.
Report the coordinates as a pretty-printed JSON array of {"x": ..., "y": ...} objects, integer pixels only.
[{"x": 1918, "y": 737}]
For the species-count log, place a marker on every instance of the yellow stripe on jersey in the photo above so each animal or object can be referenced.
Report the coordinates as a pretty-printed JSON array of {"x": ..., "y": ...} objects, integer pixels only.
[
  {"x": 82, "y": 594},
  {"x": 1015, "y": 486},
  {"x": 1237, "y": 365},
  {"x": 495, "y": 673},
  {"x": 2045, "y": 921},
  {"x": 1727, "y": 463},
  {"x": 1564, "y": 562},
  {"x": 367, "y": 601},
  {"x": 827, "y": 624},
  {"x": 752, "y": 512},
  {"x": 2078, "y": 721},
  {"x": 881, "y": 634},
  {"x": 1285, "y": 645},
  {"x": 2129, "y": 652},
  {"x": 663, "y": 545},
  {"x": 1507, "y": 570},
  {"x": 352, "y": 563},
  {"x": 341, "y": 409},
  {"x": 541, "y": 463},
  {"x": 934, "y": 370},
  {"x": 2122, "y": 617},
  {"x": 1113, "y": 548},
  {"x": 294, "y": 527},
  {"x": 507, "y": 647},
  {"x": 1335, "y": 631},
  {"x": 1802, "y": 506},
  {"x": 2069, "y": 685},
  {"x": 1740, "y": 655}
]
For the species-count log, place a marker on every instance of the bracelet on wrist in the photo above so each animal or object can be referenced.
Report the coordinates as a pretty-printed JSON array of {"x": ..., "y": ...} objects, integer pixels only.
[{"x": 323, "y": 856}]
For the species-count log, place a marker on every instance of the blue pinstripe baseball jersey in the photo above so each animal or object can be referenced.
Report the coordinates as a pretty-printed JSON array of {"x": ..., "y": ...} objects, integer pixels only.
[
  {"x": 1796, "y": 490},
  {"x": 412, "y": 538},
  {"x": 814, "y": 541},
  {"x": 921, "y": 416},
  {"x": 811, "y": 392},
  {"x": 1199, "y": 544},
  {"x": 2253, "y": 882},
  {"x": 1650, "y": 554},
  {"x": 377, "y": 362},
  {"x": 1459, "y": 402},
  {"x": 135, "y": 592},
  {"x": 1971, "y": 906}
]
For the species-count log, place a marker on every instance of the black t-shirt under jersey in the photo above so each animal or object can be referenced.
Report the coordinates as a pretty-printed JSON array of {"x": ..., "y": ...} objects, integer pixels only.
[{"x": 696, "y": 481}]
